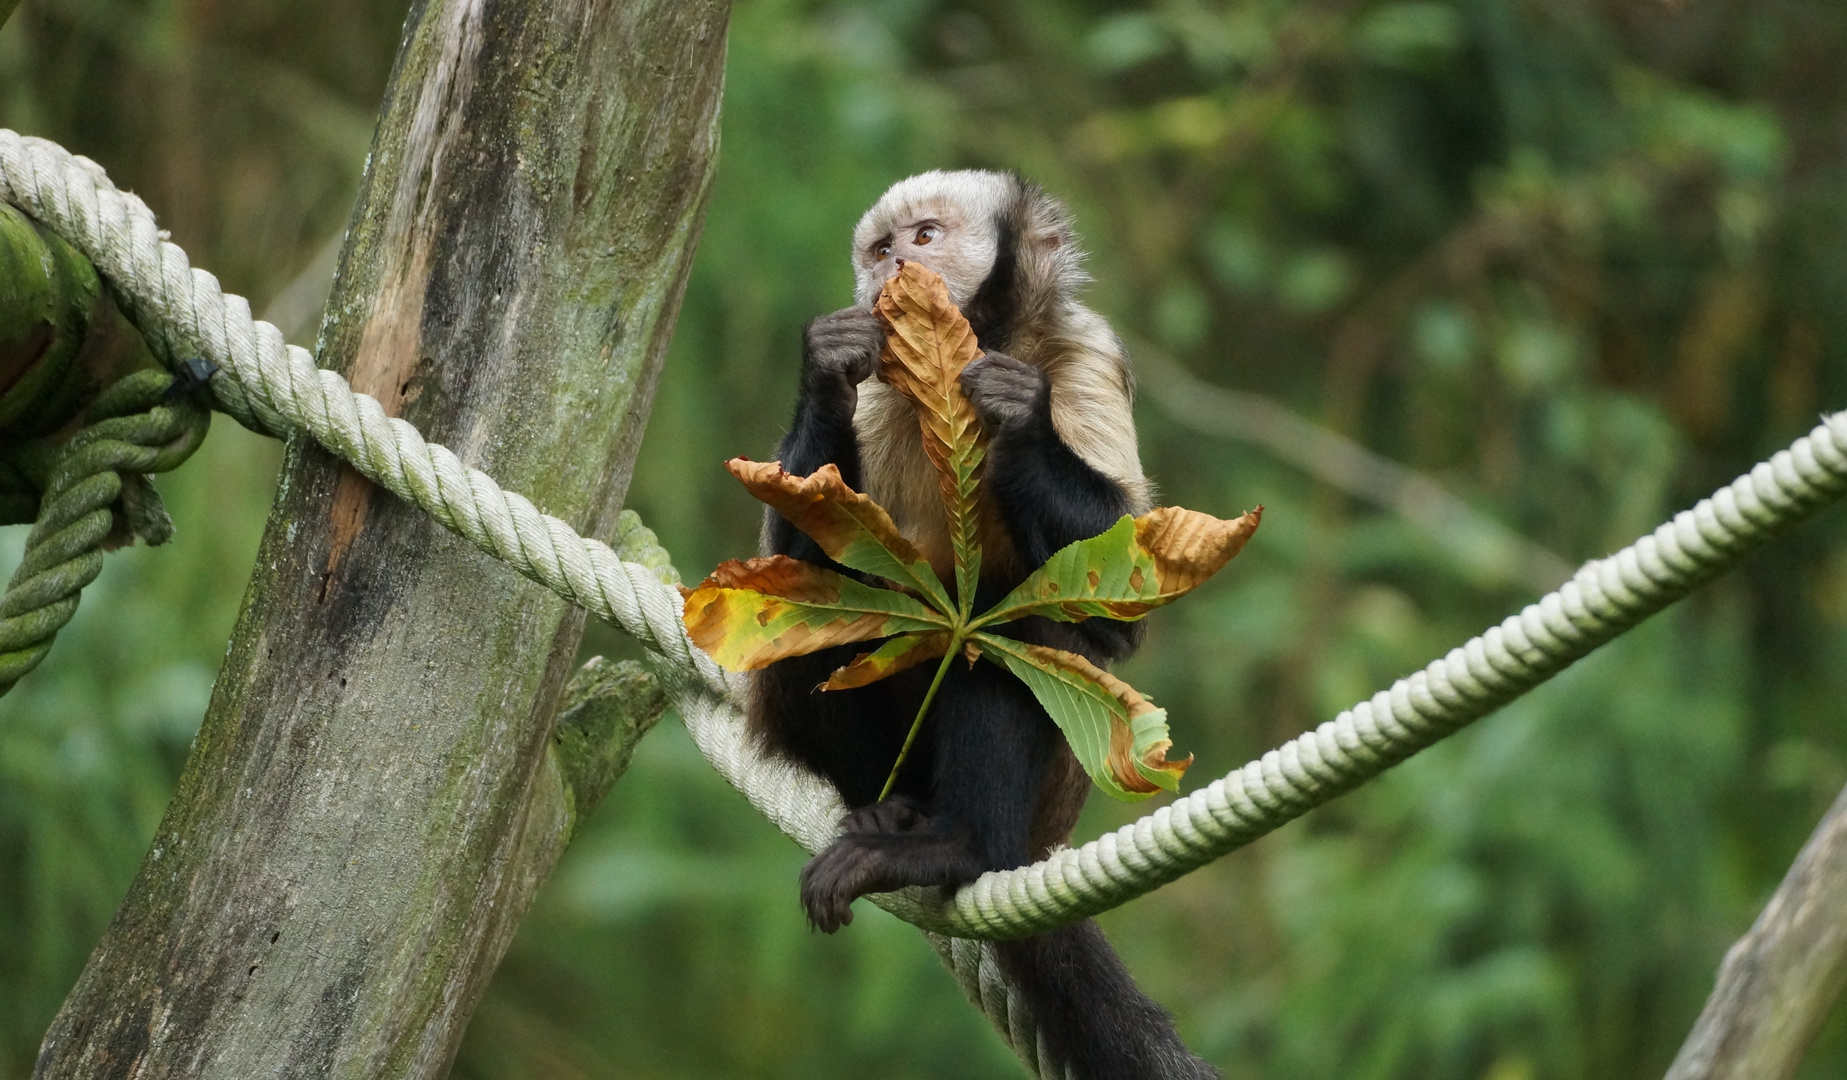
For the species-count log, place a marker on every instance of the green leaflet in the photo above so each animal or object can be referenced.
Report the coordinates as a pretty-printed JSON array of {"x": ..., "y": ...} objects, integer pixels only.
[
  {"x": 964, "y": 462},
  {"x": 1119, "y": 737},
  {"x": 1129, "y": 570},
  {"x": 1108, "y": 575}
]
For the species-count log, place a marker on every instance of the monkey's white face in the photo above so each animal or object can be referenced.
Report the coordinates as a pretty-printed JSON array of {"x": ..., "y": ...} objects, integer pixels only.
[{"x": 944, "y": 220}]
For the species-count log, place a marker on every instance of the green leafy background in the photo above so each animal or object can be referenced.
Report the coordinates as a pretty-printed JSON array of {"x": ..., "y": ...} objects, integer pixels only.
[{"x": 1580, "y": 261}]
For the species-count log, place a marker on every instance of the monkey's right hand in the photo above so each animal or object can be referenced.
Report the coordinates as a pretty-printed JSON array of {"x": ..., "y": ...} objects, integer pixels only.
[{"x": 840, "y": 351}]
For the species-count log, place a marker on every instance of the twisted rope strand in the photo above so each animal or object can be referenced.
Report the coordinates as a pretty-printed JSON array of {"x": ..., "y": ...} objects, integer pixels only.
[{"x": 275, "y": 388}]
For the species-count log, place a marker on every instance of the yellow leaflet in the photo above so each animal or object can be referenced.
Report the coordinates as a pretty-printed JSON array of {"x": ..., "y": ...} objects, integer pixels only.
[
  {"x": 898, "y": 654},
  {"x": 752, "y": 613}
]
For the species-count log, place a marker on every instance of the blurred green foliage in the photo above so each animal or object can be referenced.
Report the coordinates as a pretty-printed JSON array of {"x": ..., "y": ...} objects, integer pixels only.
[{"x": 1581, "y": 261}]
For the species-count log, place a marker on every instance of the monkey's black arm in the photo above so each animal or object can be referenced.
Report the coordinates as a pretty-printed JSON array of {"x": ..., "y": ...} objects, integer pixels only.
[
  {"x": 838, "y": 351},
  {"x": 1050, "y": 497},
  {"x": 821, "y": 434},
  {"x": 828, "y": 733}
]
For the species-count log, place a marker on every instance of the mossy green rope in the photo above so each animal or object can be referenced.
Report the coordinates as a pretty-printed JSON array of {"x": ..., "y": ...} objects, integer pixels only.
[{"x": 135, "y": 429}]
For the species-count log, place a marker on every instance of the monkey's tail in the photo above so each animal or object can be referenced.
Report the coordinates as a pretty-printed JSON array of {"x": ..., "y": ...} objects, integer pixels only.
[{"x": 1094, "y": 1022}]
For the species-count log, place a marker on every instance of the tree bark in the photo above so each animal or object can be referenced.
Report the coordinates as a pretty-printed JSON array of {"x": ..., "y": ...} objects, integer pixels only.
[
  {"x": 1781, "y": 980},
  {"x": 370, "y": 803}
]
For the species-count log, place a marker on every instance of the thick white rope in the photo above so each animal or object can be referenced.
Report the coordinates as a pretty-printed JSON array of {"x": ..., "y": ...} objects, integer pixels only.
[
  {"x": 274, "y": 386},
  {"x": 1605, "y": 598}
]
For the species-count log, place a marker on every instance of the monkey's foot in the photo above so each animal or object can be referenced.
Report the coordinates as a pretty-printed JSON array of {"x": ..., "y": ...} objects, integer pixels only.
[
  {"x": 861, "y": 863},
  {"x": 835, "y": 878}
]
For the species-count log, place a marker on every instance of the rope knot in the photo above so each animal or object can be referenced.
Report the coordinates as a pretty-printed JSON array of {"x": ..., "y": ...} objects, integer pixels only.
[{"x": 90, "y": 495}]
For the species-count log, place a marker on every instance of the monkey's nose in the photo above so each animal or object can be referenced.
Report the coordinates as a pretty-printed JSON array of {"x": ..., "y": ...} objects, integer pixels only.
[{"x": 890, "y": 270}]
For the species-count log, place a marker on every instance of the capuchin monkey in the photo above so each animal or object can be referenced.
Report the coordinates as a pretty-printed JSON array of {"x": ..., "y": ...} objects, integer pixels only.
[{"x": 991, "y": 783}]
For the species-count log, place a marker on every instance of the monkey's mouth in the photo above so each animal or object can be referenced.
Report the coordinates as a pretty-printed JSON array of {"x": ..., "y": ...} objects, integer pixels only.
[
  {"x": 890, "y": 269},
  {"x": 956, "y": 292}
]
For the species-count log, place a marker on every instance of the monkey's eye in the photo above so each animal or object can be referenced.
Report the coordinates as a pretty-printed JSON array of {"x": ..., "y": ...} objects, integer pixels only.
[
  {"x": 881, "y": 249},
  {"x": 926, "y": 234}
]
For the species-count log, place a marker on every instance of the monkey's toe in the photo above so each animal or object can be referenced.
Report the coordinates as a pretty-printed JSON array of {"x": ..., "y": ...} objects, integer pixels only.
[
  {"x": 900, "y": 813},
  {"x": 832, "y": 880}
]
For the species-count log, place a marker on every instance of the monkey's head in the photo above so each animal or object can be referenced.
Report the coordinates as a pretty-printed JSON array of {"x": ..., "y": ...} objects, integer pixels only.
[{"x": 1005, "y": 248}]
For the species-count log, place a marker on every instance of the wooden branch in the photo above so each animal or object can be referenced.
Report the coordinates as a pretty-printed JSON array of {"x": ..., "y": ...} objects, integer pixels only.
[
  {"x": 370, "y": 802},
  {"x": 1781, "y": 980},
  {"x": 606, "y": 710}
]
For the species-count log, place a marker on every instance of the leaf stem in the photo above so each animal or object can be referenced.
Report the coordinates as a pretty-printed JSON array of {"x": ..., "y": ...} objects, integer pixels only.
[{"x": 955, "y": 648}]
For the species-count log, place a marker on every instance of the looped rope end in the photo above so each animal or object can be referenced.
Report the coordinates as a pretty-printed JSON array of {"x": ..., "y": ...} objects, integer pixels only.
[{"x": 96, "y": 498}]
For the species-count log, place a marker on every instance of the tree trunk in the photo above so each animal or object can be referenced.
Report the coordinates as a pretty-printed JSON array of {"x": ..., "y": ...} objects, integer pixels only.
[
  {"x": 369, "y": 805},
  {"x": 1781, "y": 980}
]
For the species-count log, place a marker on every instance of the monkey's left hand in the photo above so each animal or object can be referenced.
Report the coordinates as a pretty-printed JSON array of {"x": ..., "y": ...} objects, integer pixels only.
[{"x": 1004, "y": 391}]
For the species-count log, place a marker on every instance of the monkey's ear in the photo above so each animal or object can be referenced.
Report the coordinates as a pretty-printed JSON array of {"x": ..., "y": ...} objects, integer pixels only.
[{"x": 1050, "y": 234}]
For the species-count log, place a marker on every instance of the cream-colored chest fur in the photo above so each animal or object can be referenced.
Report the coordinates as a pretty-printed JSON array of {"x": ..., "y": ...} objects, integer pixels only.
[{"x": 1090, "y": 410}]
